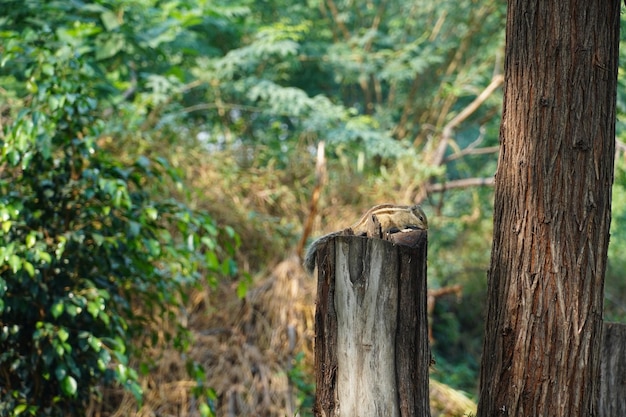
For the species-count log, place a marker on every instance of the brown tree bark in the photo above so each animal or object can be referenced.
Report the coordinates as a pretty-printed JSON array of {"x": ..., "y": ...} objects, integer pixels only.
[{"x": 552, "y": 210}]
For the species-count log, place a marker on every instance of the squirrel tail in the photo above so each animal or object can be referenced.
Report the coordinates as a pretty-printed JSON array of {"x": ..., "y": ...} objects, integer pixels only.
[
  {"x": 309, "y": 258},
  {"x": 311, "y": 253}
]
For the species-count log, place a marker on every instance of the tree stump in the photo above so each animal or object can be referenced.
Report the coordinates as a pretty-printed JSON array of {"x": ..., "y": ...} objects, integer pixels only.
[
  {"x": 371, "y": 343},
  {"x": 612, "y": 400}
]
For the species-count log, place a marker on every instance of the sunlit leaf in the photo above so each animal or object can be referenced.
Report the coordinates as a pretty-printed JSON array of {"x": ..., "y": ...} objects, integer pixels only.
[
  {"x": 69, "y": 385},
  {"x": 31, "y": 239},
  {"x": 29, "y": 268},
  {"x": 109, "y": 20},
  {"x": 62, "y": 334},
  {"x": 15, "y": 262}
]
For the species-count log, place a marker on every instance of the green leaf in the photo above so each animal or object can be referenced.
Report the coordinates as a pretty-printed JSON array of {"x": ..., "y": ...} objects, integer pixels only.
[
  {"x": 60, "y": 248},
  {"x": 109, "y": 20},
  {"x": 54, "y": 102},
  {"x": 31, "y": 239},
  {"x": 69, "y": 386},
  {"x": 154, "y": 247},
  {"x": 134, "y": 228},
  {"x": 98, "y": 239},
  {"x": 242, "y": 290},
  {"x": 61, "y": 372},
  {"x": 229, "y": 267},
  {"x": 59, "y": 349},
  {"x": 15, "y": 262},
  {"x": 63, "y": 334},
  {"x": 71, "y": 310},
  {"x": 43, "y": 256},
  {"x": 104, "y": 317},
  {"x": 19, "y": 409},
  {"x": 211, "y": 261},
  {"x": 30, "y": 269},
  {"x": 211, "y": 244},
  {"x": 122, "y": 372},
  {"x": 136, "y": 390},
  {"x": 95, "y": 343},
  {"x": 31, "y": 86},
  {"x": 152, "y": 213},
  {"x": 205, "y": 410},
  {"x": 57, "y": 309}
]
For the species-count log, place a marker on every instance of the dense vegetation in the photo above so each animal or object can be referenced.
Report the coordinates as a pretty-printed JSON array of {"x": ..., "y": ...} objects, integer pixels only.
[{"x": 144, "y": 141}]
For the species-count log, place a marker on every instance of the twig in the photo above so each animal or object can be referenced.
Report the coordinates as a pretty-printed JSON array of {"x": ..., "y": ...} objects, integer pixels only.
[
  {"x": 335, "y": 14},
  {"x": 446, "y": 137},
  {"x": 432, "y": 295},
  {"x": 473, "y": 149},
  {"x": 462, "y": 116},
  {"x": 462, "y": 183}
]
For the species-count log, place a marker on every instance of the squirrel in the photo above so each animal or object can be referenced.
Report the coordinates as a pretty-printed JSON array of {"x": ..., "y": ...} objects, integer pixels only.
[{"x": 376, "y": 222}]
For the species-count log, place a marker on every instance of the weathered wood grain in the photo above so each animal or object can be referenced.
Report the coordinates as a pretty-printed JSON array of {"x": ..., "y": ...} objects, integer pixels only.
[{"x": 372, "y": 352}]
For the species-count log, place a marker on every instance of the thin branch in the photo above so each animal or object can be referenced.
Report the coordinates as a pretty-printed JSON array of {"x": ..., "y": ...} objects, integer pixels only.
[
  {"x": 223, "y": 105},
  {"x": 474, "y": 105},
  {"x": 472, "y": 148},
  {"x": 375, "y": 24},
  {"x": 438, "y": 26},
  {"x": 340, "y": 24},
  {"x": 462, "y": 116},
  {"x": 477, "y": 151},
  {"x": 463, "y": 183}
]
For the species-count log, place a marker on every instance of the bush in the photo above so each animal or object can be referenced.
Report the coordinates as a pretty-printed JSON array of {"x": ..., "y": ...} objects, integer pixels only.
[{"x": 88, "y": 254}]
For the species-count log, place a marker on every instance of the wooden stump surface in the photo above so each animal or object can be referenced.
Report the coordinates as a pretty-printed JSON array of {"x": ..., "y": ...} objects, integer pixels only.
[{"x": 371, "y": 353}]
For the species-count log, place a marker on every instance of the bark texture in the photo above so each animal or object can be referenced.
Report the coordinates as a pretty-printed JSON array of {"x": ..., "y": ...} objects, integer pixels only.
[
  {"x": 612, "y": 401},
  {"x": 552, "y": 210},
  {"x": 371, "y": 342}
]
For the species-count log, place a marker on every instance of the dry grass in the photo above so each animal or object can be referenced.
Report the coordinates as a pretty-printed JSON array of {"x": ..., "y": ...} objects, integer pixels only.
[
  {"x": 247, "y": 363},
  {"x": 447, "y": 402},
  {"x": 247, "y": 348}
]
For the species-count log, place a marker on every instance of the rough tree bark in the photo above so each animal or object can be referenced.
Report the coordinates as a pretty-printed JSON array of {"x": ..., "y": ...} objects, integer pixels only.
[
  {"x": 612, "y": 400},
  {"x": 552, "y": 210}
]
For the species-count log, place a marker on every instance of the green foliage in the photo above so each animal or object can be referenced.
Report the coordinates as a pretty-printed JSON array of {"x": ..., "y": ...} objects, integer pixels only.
[
  {"x": 457, "y": 330},
  {"x": 615, "y": 285},
  {"x": 364, "y": 79},
  {"x": 89, "y": 255},
  {"x": 201, "y": 391},
  {"x": 304, "y": 387}
]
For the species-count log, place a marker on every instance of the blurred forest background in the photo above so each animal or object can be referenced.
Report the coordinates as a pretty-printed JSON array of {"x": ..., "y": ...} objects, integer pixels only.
[{"x": 159, "y": 168}]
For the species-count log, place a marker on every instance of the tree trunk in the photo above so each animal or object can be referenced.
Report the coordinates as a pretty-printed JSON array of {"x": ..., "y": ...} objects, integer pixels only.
[
  {"x": 612, "y": 401},
  {"x": 371, "y": 331},
  {"x": 552, "y": 210}
]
